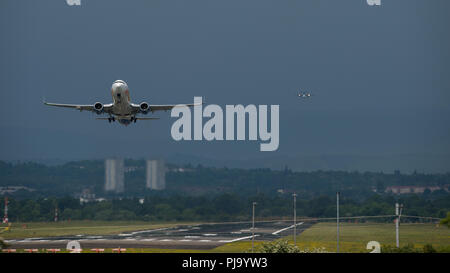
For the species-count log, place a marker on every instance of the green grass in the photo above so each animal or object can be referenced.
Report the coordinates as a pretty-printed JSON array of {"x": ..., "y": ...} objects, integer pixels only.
[
  {"x": 47, "y": 229},
  {"x": 354, "y": 237}
]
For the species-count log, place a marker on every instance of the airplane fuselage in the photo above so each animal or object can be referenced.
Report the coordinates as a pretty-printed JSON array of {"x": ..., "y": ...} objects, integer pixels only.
[{"x": 122, "y": 109}]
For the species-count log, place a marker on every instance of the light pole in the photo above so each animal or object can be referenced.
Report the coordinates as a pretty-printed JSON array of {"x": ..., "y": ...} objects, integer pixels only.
[
  {"x": 398, "y": 213},
  {"x": 253, "y": 225},
  {"x": 337, "y": 220},
  {"x": 295, "y": 218}
]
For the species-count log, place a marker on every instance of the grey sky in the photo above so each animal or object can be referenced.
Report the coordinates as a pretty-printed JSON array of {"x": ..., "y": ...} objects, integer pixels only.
[{"x": 379, "y": 74}]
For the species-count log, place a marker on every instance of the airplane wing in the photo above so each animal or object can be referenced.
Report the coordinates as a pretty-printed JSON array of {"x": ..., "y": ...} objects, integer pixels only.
[
  {"x": 86, "y": 107},
  {"x": 161, "y": 107},
  {"x": 169, "y": 107}
]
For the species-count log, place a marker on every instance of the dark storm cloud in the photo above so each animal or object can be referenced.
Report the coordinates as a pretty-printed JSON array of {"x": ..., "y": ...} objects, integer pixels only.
[{"x": 378, "y": 74}]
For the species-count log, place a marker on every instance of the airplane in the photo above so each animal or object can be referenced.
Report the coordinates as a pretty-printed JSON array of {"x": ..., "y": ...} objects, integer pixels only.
[
  {"x": 304, "y": 95},
  {"x": 122, "y": 109}
]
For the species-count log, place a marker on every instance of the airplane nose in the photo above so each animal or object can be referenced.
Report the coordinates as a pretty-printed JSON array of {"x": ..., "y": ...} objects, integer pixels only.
[{"x": 117, "y": 86}]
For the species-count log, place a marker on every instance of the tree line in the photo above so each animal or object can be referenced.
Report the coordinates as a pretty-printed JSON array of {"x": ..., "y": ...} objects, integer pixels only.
[
  {"x": 72, "y": 178},
  {"x": 223, "y": 207}
]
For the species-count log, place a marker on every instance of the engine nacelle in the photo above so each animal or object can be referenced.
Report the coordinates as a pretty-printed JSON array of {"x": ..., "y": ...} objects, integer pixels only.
[
  {"x": 144, "y": 107},
  {"x": 98, "y": 107}
]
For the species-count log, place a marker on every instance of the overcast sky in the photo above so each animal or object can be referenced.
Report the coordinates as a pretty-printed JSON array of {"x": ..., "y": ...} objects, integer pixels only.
[{"x": 379, "y": 75}]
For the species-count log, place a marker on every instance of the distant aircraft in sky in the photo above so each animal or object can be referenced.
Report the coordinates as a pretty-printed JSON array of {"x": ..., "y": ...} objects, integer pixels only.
[
  {"x": 304, "y": 95},
  {"x": 122, "y": 109}
]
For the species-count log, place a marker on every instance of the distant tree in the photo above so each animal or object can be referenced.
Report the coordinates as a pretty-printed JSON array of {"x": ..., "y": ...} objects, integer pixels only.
[
  {"x": 104, "y": 215},
  {"x": 124, "y": 215},
  {"x": 409, "y": 248},
  {"x": 3, "y": 244},
  {"x": 446, "y": 220},
  {"x": 380, "y": 187},
  {"x": 428, "y": 248},
  {"x": 282, "y": 246},
  {"x": 67, "y": 214}
]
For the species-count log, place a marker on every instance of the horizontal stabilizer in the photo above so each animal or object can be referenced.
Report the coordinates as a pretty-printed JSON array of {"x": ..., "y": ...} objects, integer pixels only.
[
  {"x": 146, "y": 118},
  {"x": 136, "y": 118}
]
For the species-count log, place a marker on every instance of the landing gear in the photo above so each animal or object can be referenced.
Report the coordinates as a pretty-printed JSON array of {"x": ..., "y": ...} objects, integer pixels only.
[
  {"x": 111, "y": 119},
  {"x": 133, "y": 119}
]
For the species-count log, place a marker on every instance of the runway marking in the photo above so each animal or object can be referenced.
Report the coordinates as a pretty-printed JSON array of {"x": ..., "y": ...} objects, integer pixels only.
[
  {"x": 283, "y": 229},
  {"x": 148, "y": 230},
  {"x": 194, "y": 237},
  {"x": 235, "y": 240}
]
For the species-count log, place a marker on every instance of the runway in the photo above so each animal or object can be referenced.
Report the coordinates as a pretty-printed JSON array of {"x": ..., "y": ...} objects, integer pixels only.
[{"x": 204, "y": 236}]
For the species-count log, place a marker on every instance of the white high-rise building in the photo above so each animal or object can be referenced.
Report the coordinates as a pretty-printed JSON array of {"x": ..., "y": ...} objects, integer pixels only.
[
  {"x": 156, "y": 175},
  {"x": 114, "y": 175}
]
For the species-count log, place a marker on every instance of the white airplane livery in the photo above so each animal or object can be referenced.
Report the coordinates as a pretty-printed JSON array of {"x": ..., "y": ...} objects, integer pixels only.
[{"x": 122, "y": 109}]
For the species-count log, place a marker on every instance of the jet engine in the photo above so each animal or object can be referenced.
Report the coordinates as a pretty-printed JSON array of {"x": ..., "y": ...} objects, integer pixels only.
[
  {"x": 144, "y": 107},
  {"x": 98, "y": 107}
]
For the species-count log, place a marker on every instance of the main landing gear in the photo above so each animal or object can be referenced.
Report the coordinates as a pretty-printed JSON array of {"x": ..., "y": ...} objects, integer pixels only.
[{"x": 111, "y": 119}]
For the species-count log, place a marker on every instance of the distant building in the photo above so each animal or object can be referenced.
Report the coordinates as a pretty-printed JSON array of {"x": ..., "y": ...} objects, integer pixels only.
[
  {"x": 83, "y": 201},
  {"x": 14, "y": 189},
  {"x": 87, "y": 196},
  {"x": 411, "y": 189},
  {"x": 114, "y": 175},
  {"x": 131, "y": 169},
  {"x": 179, "y": 170},
  {"x": 156, "y": 175}
]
